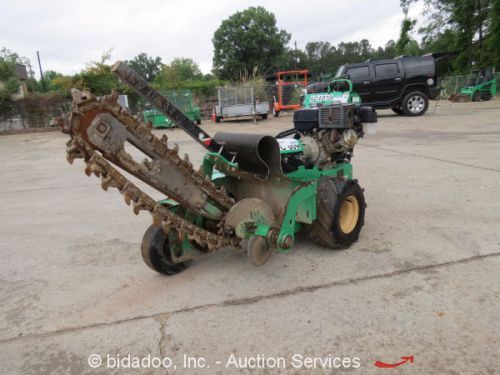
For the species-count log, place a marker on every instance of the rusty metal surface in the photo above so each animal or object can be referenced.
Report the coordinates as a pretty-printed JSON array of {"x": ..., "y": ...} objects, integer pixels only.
[
  {"x": 248, "y": 210},
  {"x": 258, "y": 250},
  {"x": 98, "y": 131}
]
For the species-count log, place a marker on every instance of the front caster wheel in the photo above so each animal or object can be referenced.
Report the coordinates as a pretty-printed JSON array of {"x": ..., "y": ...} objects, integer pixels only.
[
  {"x": 155, "y": 250},
  {"x": 258, "y": 250}
]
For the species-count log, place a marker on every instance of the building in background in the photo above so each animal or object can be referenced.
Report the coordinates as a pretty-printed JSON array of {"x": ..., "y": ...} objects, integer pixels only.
[{"x": 22, "y": 74}]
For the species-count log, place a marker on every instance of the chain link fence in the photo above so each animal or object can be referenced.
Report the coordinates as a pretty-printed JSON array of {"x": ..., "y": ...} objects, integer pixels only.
[{"x": 453, "y": 84}]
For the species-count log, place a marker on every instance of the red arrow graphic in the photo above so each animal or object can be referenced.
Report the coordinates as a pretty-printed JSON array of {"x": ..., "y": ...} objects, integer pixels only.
[{"x": 390, "y": 365}]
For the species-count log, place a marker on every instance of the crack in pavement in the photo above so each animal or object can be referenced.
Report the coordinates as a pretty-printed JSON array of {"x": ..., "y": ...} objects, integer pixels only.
[
  {"x": 163, "y": 317},
  {"x": 432, "y": 158}
]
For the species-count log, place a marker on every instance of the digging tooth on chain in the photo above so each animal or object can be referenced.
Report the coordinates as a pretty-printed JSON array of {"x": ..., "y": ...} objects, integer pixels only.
[
  {"x": 95, "y": 169},
  {"x": 73, "y": 152},
  {"x": 127, "y": 195},
  {"x": 139, "y": 206},
  {"x": 88, "y": 171},
  {"x": 96, "y": 164},
  {"x": 70, "y": 157},
  {"x": 107, "y": 181}
]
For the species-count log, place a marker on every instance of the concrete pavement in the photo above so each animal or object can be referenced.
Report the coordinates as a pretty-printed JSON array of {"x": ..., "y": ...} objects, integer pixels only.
[{"x": 422, "y": 280}]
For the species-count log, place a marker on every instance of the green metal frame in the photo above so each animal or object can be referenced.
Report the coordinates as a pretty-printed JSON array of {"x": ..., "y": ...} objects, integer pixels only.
[{"x": 300, "y": 209}]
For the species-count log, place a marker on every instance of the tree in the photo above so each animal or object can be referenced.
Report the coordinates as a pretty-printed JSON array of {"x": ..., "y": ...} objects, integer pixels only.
[
  {"x": 8, "y": 61},
  {"x": 9, "y": 82},
  {"x": 319, "y": 58},
  {"x": 147, "y": 67},
  {"x": 388, "y": 52},
  {"x": 464, "y": 26},
  {"x": 15, "y": 58},
  {"x": 50, "y": 78},
  {"x": 405, "y": 44},
  {"x": 323, "y": 59},
  {"x": 98, "y": 77},
  {"x": 247, "y": 42},
  {"x": 179, "y": 71},
  {"x": 495, "y": 34},
  {"x": 182, "y": 69},
  {"x": 292, "y": 59}
]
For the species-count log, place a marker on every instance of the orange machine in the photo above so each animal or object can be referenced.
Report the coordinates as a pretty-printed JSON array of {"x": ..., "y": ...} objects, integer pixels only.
[{"x": 284, "y": 80}]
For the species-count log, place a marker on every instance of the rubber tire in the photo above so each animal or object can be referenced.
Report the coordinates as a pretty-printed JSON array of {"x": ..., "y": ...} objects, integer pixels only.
[
  {"x": 264, "y": 116},
  {"x": 404, "y": 104},
  {"x": 326, "y": 230},
  {"x": 397, "y": 110},
  {"x": 476, "y": 97},
  {"x": 155, "y": 252},
  {"x": 217, "y": 119},
  {"x": 486, "y": 96},
  {"x": 198, "y": 121}
]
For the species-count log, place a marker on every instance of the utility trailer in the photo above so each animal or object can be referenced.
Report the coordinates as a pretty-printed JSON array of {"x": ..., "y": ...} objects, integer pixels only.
[
  {"x": 288, "y": 83},
  {"x": 238, "y": 102}
]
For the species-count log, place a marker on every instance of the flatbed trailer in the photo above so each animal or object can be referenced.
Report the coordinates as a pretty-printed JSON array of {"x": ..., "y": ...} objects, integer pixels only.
[{"x": 236, "y": 102}]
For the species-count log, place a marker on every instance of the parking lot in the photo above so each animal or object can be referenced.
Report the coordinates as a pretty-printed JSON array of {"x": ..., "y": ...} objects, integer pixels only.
[{"x": 422, "y": 281}]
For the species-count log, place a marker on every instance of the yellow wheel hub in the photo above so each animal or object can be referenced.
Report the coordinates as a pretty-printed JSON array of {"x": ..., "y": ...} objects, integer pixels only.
[{"x": 349, "y": 214}]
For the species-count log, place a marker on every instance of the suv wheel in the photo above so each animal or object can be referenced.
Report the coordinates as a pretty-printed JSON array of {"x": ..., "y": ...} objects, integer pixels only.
[
  {"x": 415, "y": 104},
  {"x": 397, "y": 110}
]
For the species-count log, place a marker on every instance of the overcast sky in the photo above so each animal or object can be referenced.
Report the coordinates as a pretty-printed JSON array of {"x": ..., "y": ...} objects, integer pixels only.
[{"x": 70, "y": 33}]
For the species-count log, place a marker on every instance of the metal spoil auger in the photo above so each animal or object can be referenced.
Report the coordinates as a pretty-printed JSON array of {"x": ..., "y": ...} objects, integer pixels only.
[{"x": 256, "y": 189}]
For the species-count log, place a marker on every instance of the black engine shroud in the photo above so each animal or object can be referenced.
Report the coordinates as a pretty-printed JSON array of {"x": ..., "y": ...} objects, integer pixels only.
[{"x": 333, "y": 116}]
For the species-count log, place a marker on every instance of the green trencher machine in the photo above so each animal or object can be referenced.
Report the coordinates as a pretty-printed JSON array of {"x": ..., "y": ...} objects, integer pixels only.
[{"x": 252, "y": 191}]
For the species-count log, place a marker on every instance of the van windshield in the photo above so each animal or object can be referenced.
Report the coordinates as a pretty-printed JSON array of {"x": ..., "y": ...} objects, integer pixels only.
[{"x": 340, "y": 72}]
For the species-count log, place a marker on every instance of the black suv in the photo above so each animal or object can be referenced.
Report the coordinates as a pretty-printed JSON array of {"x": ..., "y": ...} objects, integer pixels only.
[{"x": 404, "y": 84}]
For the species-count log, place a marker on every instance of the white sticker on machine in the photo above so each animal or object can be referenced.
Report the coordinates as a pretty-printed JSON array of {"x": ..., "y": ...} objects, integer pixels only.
[{"x": 289, "y": 144}]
